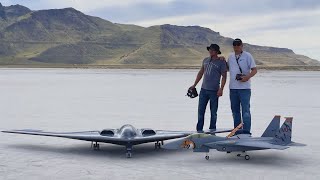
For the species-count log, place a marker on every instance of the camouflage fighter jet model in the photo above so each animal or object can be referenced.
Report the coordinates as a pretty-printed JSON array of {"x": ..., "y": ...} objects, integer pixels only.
[{"x": 273, "y": 137}]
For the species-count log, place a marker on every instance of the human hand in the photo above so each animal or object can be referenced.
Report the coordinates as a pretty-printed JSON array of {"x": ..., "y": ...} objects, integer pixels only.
[
  {"x": 220, "y": 92},
  {"x": 222, "y": 58},
  {"x": 245, "y": 78},
  {"x": 192, "y": 87}
]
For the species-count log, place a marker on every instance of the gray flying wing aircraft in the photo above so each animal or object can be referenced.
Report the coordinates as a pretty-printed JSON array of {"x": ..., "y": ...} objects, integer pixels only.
[
  {"x": 127, "y": 136},
  {"x": 273, "y": 137}
]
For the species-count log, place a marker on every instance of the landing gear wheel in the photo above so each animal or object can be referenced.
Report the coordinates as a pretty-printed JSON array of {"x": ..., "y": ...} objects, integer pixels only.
[
  {"x": 96, "y": 146},
  {"x": 207, "y": 157},
  {"x": 157, "y": 145},
  {"x": 246, "y": 157},
  {"x": 128, "y": 154}
]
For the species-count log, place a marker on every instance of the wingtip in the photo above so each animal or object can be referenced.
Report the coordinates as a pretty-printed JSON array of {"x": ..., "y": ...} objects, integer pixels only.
[
  {"x": 288, "y": 119},
  {"x": 297, "y": 144}
]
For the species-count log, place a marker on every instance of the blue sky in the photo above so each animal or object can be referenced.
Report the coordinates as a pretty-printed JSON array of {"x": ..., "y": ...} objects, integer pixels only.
[{"x": 292, "y": 24}]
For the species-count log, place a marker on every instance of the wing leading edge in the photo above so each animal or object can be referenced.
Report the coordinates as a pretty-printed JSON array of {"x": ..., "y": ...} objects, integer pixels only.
[
  {"x": 84, "y": 135},
  {"x": 96, "y": 137}
]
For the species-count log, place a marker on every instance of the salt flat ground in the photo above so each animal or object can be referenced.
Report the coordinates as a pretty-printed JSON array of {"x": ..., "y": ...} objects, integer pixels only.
[{"x": 77, "y": 99}]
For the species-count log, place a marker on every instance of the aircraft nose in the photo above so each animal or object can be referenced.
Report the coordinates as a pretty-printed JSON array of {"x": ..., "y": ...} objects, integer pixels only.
[{"x": 128, "y": 133}]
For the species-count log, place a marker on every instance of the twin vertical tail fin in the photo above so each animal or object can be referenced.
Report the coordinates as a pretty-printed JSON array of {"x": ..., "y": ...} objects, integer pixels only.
[
  {"x": 272, "y": 128},
  {"x": 283, "y": 135}
]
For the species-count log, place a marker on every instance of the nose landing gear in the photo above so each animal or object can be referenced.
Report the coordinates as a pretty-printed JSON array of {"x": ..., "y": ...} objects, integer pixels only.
[
  {"x": 245, "y": 155},
  {"x": 129, "y": 149},
  {"x": 129, "y": 154},
  {"x": 207, "y": 157}
]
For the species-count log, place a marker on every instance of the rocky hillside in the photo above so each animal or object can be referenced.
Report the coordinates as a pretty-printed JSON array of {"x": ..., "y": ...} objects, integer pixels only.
[{"x": 67, "y": 36}]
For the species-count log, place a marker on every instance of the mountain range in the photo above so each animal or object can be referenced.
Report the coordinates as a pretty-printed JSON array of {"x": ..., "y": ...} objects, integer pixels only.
[{"x": 68, "y": 36}]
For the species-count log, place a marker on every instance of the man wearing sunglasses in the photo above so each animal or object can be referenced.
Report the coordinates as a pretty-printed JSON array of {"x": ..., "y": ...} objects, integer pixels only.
[
  {"x": 242, "y": 68},
  {"x": 213, "y": 67}
]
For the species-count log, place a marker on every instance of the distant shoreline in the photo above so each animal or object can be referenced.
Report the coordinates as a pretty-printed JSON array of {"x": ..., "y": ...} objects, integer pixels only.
[{"x": 280, "y": 68}]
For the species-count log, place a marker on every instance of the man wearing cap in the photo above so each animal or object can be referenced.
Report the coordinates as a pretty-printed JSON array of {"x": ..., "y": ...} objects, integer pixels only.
[
  {"x": 213, "y": 67},
  {"x": 242, "y": 68}
]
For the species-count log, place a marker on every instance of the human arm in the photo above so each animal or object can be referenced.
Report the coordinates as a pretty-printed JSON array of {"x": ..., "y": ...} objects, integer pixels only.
[
  {"x": 253, "y": 67},
  {"x": 250, "y": 75},
  {"x": 198, "y": 78},
  {"x": 223, "y": 83}
]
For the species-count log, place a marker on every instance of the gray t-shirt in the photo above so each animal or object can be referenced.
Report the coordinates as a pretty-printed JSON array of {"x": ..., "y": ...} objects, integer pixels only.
[
  {"x": 213, "y": 69},
  {"x": 246, "y": 63}
]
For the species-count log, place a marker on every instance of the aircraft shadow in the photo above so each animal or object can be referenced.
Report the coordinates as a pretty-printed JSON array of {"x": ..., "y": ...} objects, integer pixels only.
[
  {"x": 262, "y": 158},
  {"x": 106, "y": 150},
  {"x": 272, "y": 158}
]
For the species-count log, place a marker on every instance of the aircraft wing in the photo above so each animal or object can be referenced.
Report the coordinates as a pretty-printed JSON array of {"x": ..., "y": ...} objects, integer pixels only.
[
  {"x": 157, "y": 137},
  {"x": 193, "y": 132},
  {"x": 96, "y": 137},
  {"x": 162, "y": 135},
  {"x": 83, "y": 135},
  {"x": 296, "y": 144},
  {"x": 252, "y": 144}
]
